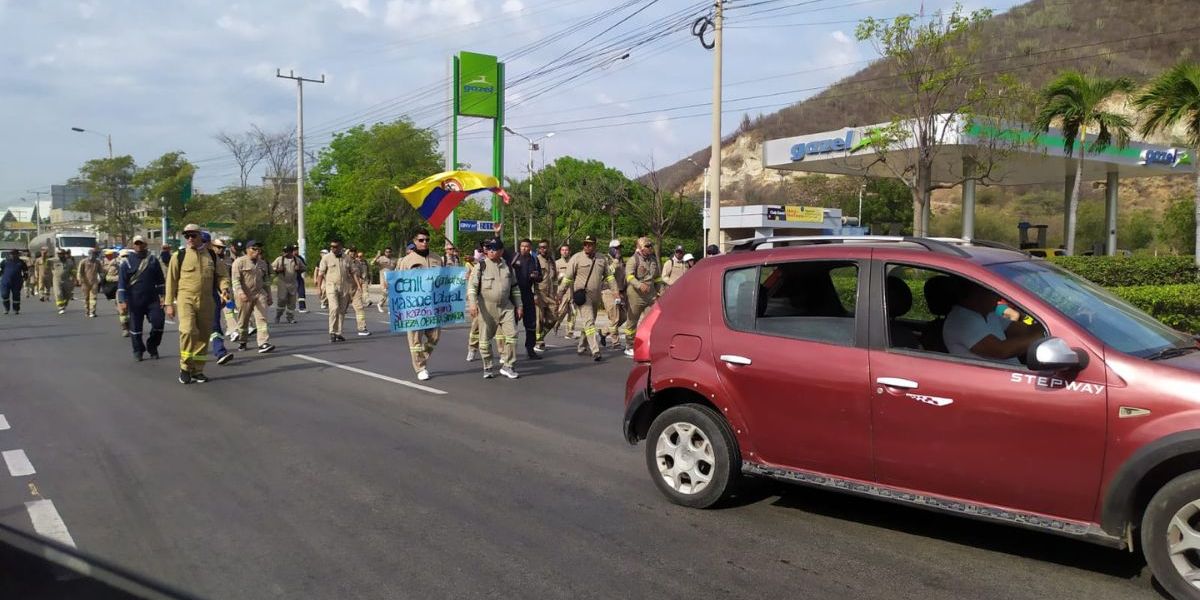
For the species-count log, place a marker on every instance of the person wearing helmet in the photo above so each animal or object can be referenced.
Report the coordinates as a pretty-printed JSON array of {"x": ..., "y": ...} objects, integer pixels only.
[
  {"x": 62, "y": 271},
  {"x": 141, "y": 287},
  {"x": 614, "y": 301},
  {"x": 584, "y": 275},
  {"x": 689, "y": 260}
]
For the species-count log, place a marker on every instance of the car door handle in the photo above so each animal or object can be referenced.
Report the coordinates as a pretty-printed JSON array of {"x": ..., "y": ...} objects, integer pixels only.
[
  {"x": 734, "y": 359},
  {"x": 896, "y": 382}
]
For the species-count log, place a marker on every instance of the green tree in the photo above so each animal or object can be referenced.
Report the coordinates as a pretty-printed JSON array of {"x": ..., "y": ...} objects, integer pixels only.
[
  {"x": 575, "y": 194},
  {"x": 1170, "y": 100},
  {"x": 167, "y": 182},
  {"x": 940, "y": 91},
  {"x": 110, "y": 194},
  {"x": 1178, "y": 227},
  {"x": 355, "y": 177},
  {"x": 1078, "y": 102}
]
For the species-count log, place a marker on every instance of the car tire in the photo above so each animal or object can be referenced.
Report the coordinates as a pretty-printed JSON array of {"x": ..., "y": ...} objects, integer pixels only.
[
  {"x": 1178, "y": 499},
  {"x": 692, "y": 456}
]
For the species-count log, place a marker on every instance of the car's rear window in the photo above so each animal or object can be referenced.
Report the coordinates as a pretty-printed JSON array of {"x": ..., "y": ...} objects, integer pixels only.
[{"x": 809, "y": 300}]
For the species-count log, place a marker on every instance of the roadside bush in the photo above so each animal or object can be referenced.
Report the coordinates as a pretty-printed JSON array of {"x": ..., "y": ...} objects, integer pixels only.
[
  {"x": 1177, "y": 306},
  {"x": 1124, "y": 271}
]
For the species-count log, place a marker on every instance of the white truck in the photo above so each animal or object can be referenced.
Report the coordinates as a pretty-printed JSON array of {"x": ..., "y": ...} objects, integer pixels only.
[{"x": 79, "y": 243}]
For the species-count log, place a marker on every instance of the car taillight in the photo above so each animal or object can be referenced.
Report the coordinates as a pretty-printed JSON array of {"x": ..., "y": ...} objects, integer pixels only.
[{"x": 641, "y": 342}]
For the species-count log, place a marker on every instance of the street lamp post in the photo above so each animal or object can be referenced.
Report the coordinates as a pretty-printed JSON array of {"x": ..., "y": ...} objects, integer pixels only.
[
  {"x": 103, "y": 135},
  {"x": 533, "y": 145}
]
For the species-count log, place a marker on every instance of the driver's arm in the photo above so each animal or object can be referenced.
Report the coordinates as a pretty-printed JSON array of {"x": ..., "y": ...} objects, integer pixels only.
[{"x": 1015, "y": 345}]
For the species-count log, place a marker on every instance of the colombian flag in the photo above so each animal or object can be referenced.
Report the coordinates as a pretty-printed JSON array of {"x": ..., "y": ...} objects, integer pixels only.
[{"x": 435, "y": 196}]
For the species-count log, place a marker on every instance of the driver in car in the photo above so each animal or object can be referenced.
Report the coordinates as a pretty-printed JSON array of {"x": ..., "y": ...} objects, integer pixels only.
[{"x": 976, "y": 328}]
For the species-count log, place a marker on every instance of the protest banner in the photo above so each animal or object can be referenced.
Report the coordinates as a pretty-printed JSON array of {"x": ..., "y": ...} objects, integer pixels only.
[{"x": 426, "y": 298}]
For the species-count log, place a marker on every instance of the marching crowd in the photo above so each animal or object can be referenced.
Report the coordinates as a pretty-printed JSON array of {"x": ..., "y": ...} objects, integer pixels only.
[{"x": 213, "y": 289}]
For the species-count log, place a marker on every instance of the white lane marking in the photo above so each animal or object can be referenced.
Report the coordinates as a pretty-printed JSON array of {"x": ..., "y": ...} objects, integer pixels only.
[
  {"x": 410, "y": 384},
  {"x": 47, "y": 522},
  {"x": 3, "y": 423},
  {"x": 18, "y": 463}
]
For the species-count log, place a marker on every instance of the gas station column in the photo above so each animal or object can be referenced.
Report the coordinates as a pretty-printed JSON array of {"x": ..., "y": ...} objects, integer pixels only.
[
  {"x": 1112, "y": 184},
  {"x": 968, "y": 199}
]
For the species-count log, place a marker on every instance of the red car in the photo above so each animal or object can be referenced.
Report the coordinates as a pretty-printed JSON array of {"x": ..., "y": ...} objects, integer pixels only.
[{"x": 955, "y": 376}]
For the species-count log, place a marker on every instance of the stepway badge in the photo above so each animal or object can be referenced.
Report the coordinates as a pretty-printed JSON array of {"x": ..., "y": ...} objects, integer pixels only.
[{"x": 1173, "y": 157}]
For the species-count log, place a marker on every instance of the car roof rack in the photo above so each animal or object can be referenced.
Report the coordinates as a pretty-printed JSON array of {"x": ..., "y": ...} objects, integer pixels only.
[
  {"x": 941, "y": 246},
  {"x": 980, "y": 243}
]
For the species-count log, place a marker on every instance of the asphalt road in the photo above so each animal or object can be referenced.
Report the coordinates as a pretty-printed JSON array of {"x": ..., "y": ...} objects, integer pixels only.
[{"x": 288, "y": 478}]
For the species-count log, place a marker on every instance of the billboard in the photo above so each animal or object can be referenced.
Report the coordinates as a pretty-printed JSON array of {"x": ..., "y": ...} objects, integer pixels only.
[{"x": 478, "y": 85}]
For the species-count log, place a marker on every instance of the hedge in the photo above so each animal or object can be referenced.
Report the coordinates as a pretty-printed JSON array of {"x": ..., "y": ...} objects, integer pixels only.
[
  {"x": 1177, "y": 306},
  {"x": 1125, "y": 271}
]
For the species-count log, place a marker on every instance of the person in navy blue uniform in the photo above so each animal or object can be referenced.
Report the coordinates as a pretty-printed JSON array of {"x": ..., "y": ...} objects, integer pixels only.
[
  {"x": 141, "y": 288},
  {"x": 529, "y": 274},
  {"x": 13, "y": 272}
]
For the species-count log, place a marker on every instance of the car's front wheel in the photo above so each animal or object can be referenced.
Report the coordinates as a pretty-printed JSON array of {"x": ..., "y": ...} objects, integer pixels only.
[
  {"x": 692, "y": 456},
  {"x": 1171, "y": 536}
]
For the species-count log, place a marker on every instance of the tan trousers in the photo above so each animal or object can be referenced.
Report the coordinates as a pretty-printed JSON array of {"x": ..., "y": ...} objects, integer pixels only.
[
  {"x": 615, "y": 313},
  {"x": 473, "y": 337},
  {"x": 637, "y": 307},
  {"x": 421, "y": 344},
  {"x": 195, "y": 327},
  {"x": 502, "y": 325},
  {"x": 337, "y": 301},
  {"x": 89, "y": 297},
  {"x": 255, "y": 307},
  {"x": 586, "y": 320},
  {"x": 285, "y": 300},
  {"x": 546, "y": 316},
  {"x": 360, "y": 308},
  {"x": 63, "y": 291}
]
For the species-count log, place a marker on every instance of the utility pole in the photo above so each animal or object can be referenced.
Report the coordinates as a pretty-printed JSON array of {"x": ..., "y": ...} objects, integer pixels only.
[
  {"x": 37, "y": 208},
  {"x": 714, "y": 161},
  {"x": 533, "y": 145},
  {"x": 300, "y": 153}
]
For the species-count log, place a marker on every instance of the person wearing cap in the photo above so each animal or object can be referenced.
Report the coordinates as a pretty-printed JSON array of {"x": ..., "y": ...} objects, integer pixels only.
[
  {"x": 108, "y": 269},
  {"x": 384, "y": 264},
  {"x": 225, "y": 255},
  {"x": 473, "y": 335},
  {"x": 88, "y": 274},
  {"x": 192, "y": 276},
  {"x": 358, "y": 298},
  {"x": 286, "y": 266},
  {"x": 614, "y": 300},
  {"x": 249, "y": 278},
  {"x": 584, "y": 275},
  {"x": 494, "y": 298},
  {"x": 674, "y": 267},
  {"x": 529, "y": 275},
  {"x": 62, "y": 271},
  {"x": 422, "y": 342},
  {"x": 546, "y": 306},
  {"x": 141, "y": 287},
  {"x": 566, "y": 308},
  {"x": 13, "y": 272},
  {"x": 335, "y": 281},
  {"x": 641, "y": 272},
  {"x": 42, "y": 273},
  {"x": 689, "y": 260}
]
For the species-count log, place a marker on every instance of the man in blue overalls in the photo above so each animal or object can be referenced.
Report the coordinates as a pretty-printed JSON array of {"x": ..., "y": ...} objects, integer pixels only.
[{"x": 141, "y": 288}]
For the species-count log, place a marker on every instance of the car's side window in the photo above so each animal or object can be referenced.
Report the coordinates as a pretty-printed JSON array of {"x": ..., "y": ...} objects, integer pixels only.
[
  {"x": 919, "y": 302},
  {"x": 809, "y": 300}
]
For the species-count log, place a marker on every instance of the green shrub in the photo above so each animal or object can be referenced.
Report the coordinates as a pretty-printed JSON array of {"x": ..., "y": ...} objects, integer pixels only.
[
  {"x": 1124, "y": 271},
  {"x": 1177, "y": 306}
]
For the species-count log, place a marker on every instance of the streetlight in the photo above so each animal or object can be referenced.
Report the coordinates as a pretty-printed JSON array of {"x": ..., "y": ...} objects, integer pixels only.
[
  {"x": 103, "y": 135},
  {"x": 533, "y": 145}
]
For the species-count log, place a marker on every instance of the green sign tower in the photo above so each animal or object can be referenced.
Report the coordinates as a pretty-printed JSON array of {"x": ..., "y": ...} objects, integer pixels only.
[{"x": 476, "y": 90}]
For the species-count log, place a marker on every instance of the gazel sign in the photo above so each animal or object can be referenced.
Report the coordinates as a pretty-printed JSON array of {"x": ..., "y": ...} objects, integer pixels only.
[
  {"x": 1172, "y": 157},
  {"x": 799, "y": 151}
]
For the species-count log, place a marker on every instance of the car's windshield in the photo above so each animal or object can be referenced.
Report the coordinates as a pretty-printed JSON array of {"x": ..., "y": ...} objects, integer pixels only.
[
  {"x": 68, "y": 241},
  {"x": 1112, "y": 320}
]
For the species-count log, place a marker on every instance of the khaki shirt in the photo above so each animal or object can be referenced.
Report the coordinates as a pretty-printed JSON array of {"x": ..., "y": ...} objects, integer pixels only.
[
  {"x": 549, "y": 276},
  {"x": 88, "y": 272},
  {"x": 416, "y": 261},
  {"x": 576, "y": 275},
  {"x": 42, "y": 265},
  {"x": 560, "y": 268},
  {"x": 496, "y": 283},
  {"x": 639, "y": 270},
  {"x": 112, "y": 269},
  {"x": 62, "y": 268},
  {"x": 616, "y": 268},
  {"x": 673, "y": 269},
  {"x": 384, "y": 264},
  {"x": 335, "y": 272},
  {"x": 249, "y": 276},
  {"x": 285, "y": 270},
  {"x": 193, "y": 278}
]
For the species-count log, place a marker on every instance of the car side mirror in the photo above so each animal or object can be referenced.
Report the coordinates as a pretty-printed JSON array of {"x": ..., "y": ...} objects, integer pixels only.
[{"x": 1053, "y": 354}]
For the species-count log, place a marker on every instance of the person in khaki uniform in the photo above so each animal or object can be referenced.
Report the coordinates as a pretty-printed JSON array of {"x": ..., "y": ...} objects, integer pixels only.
[
  {"x": 494, "y": 298},
  {"x": 358, "y": 298},
  {"x": 88, "y": 273},
  {"x": 42, "y": 273},
  {"x": 336, "y": 282},
  {"x": 422, "y": 342},
  {"x": 642, "y": 276},
  {"x": 564, "y": 303},
  {"x": 286, "y": 268},
  {"x": 62, "y": 272},
  {"x": 587, "y": 272},
  {"x": 472, "y": 263},
  {"x": 547, "y": 305},
  {"x": 111, "y": 267},
  {"x": 191, "y": 278},
  {"x": 674, "y": 267},
  {"x": 614, "y": 301},
  {"x": 227, "y": 256},
  {"x": 249, "y": 275},
  {"x": 384, "y": 264}
]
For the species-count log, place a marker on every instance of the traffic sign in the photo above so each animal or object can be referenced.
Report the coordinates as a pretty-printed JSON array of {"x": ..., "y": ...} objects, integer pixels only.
[{"x": 476, "y": 226}]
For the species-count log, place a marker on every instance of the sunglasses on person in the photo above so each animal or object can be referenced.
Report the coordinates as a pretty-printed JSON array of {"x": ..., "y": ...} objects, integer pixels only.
[
  {"x": 422, "y": 240},
  {"x": 335, "y": 246},
  {"x": 190, "y": 234}
]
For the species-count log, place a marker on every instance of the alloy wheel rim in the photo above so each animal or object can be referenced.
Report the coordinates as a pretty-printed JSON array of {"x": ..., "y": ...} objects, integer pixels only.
[
  {"x": 685, "y": 458},
  {"x": 1183, "y": 542}
]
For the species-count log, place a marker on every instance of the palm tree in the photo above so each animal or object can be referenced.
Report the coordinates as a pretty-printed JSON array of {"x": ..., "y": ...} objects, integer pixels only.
[
  {"x": 1078, "y": 102},
  {"x": 1170, "y": 100}
]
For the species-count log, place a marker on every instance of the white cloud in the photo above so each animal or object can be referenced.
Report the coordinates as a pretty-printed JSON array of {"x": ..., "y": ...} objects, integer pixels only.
[
  {"x": 239, "y": 27},
  {"x": 362, "y": 7},
  {"x": 512, "y": 6},
  {"x": 841, "y": 38},
  {"x": 402, "y": 13}
]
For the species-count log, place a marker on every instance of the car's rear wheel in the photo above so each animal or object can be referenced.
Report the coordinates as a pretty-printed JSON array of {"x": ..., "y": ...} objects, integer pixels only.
[
  {"x": 1171, "y": 536},
  {"x": 692, "y": 456}
]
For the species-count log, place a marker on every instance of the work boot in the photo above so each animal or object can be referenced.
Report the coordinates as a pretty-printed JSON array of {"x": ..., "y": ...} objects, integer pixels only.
[
  {"x": 185, "y": 377},
  {"x": 200, "y": 378},
  {"x": 533, "y": 355}
]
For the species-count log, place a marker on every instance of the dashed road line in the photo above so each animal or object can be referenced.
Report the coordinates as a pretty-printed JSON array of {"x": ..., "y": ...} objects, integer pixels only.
[
  {"x": 18, "y": 463},
  {"x": 47, "y": 522},
  {"x": 410, "y": 384},
  {"x": 3, "y": 423}
]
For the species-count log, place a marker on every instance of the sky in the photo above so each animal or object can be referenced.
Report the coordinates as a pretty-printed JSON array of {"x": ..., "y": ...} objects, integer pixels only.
[{"x": 163, "y": 76}]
